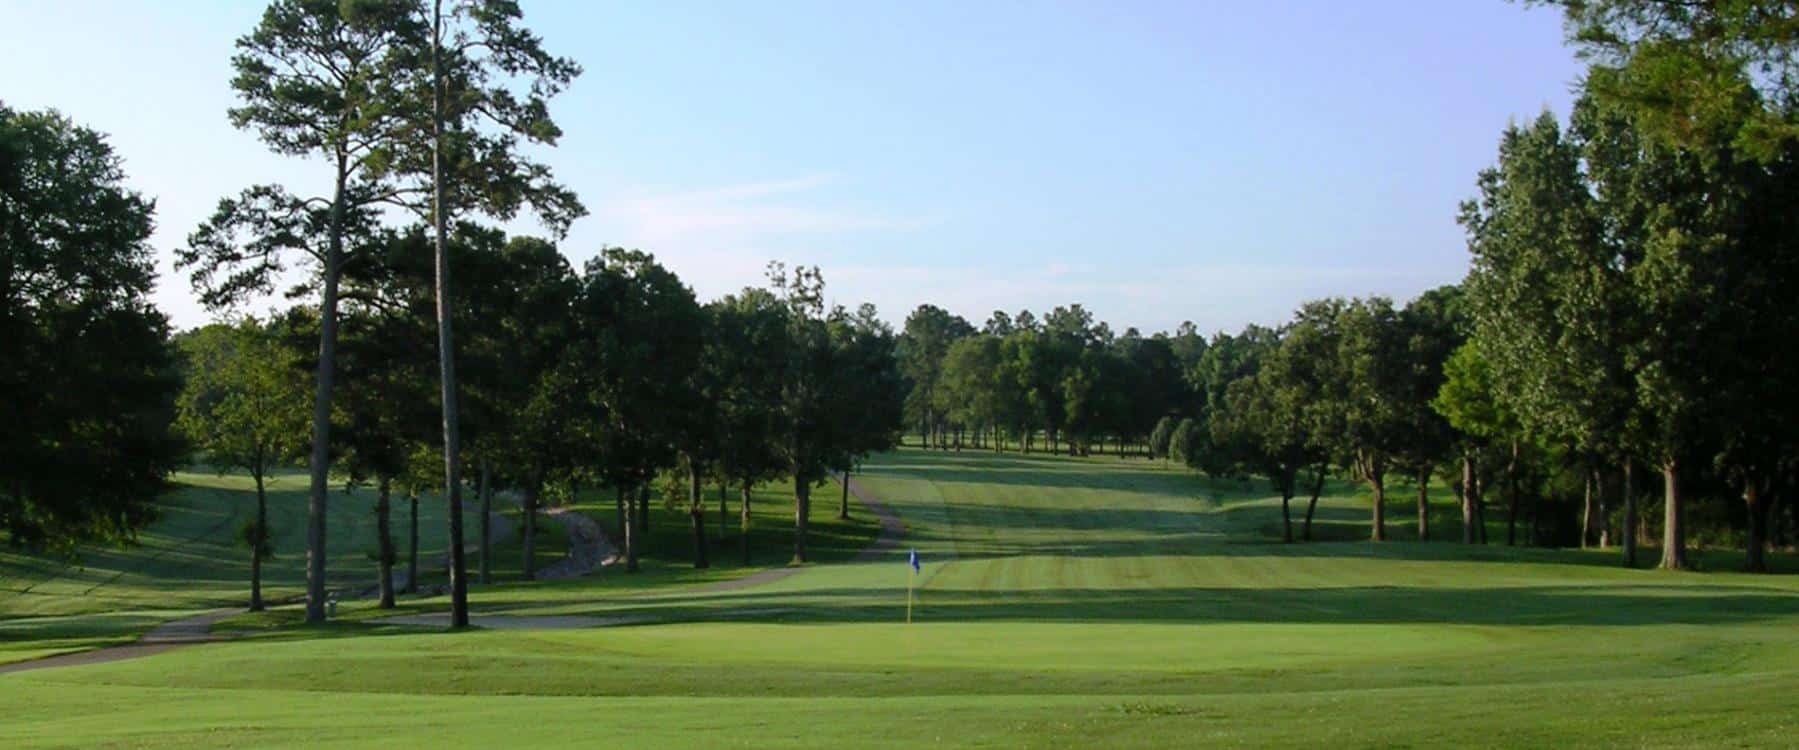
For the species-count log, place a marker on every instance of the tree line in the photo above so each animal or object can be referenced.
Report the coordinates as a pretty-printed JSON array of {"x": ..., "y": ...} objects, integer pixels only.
[
  {"x": 614, "y": 375},
  {"x": 525, "y": 372},
  {"x": 1628, "y": 311}
]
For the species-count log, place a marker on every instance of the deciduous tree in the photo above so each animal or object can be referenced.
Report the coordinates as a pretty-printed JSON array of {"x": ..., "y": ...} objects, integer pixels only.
[
  {"x": 88, "y": 381},
  {"x": 243, "y": 405}
]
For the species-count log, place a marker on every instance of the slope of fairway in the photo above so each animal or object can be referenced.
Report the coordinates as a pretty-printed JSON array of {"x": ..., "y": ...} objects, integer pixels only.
[
  {"x": 1097, "y": 602},
  {"x": 189, "y": 559}
]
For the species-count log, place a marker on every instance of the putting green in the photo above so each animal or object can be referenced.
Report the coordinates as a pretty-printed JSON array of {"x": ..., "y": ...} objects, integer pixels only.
[{"x": 1098, "y": 602}]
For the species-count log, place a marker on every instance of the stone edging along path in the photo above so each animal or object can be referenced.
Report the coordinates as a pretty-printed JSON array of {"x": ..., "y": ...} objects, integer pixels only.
[{"x": 165, "y": 637}]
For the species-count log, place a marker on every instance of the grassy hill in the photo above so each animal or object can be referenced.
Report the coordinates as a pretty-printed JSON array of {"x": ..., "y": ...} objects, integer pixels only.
[
  {"x": 189, "y": 559},
  {"x": 1095, "y": 602}
]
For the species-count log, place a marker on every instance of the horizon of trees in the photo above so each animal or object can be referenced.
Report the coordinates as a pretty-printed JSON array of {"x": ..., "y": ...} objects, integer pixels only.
[
  {"x": 1628, "y": 304},
  {"x": 1626, "y": 320}
]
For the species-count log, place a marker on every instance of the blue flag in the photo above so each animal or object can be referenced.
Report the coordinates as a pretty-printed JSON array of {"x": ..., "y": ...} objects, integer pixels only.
[{"x": 913, "y": 559}]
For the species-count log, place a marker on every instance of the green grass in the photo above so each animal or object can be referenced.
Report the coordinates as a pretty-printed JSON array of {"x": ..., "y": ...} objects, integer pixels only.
[
  {"x": 1097, "y": 602},
  {"x": 191, "y": 558}
]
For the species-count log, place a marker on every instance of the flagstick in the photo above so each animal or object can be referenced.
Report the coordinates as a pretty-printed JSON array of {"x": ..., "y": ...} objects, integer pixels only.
[{"x": 910, "y": 574}]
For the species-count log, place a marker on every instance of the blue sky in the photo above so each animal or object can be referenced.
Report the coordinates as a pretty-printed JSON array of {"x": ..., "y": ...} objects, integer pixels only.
[{"x": 1157, "y": 162}]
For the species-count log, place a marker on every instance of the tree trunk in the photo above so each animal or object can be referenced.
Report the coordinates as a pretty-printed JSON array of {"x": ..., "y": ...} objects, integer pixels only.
[
  {"x": 1674, "y": 534},
  {"x": 696, "y": 509},
  {"x": 320, "y": 463},
  {"x": 743, "y": 523},
  {"x": 1286, "y": 515},
  {"x": 1467, "y": 499},
  {"x": 1378, "y": 482},
  {"x": 1424, "y": 504},
  {"x": 1511, "y": 488},
  {"x": 802, "y": 508},
  {"x": 1629, "y": 532},
  {"x": 15, "y": 520},
  {"x": 1587, "y": 511},
  {"x": 843, "y": 504},
  {"x": 412, "y": 548},
  {"x": 1480, "y": 509},
  {"x": 624, "y": 518},
  {"x": 528, "y": 512},
  {"x": 486, "y": 494},
  {"x": 1755, "y": 556},
  {"x": 1602, "y": 505},
  {"x": 446, "y": 353},
  {"x": 643, "y": 513},
  {"x": 632, "y": 530},
  {"x": 1777, "y": 528},
  {"x": 642, "y": 519},
  {"x": 1536, "y": 519},
  {"x": 1312, "y": 505},
  {"x": 724, "y": 513},
  {"x": 262, "y": 531},
  {"x": 384, "y": 541}
]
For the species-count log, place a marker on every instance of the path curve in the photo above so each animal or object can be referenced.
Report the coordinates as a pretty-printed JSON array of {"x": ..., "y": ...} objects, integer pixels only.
[
  {"x": 588, "y": 548},
  {"x": 165, "y": 637}
]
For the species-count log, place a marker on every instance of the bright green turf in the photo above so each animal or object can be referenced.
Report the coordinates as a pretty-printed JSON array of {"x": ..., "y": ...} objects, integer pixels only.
[
  {"x": 190, "y": 557},
  {"x": 1064, "y": 602}
]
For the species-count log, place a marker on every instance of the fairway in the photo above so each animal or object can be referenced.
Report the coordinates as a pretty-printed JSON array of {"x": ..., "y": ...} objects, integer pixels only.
[
  {"x": 494, "y": 374},
  {"x": 1096, "y": 602}
]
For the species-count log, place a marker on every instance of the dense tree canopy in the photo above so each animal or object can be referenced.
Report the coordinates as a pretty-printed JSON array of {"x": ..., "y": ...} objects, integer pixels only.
[
  {"x": 88, "y": 378},
  {"x": 1695, "y": 71}
]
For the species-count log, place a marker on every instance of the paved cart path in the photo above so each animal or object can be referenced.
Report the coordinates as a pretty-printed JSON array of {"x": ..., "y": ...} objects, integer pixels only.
[{"x": 165, "y": 637}]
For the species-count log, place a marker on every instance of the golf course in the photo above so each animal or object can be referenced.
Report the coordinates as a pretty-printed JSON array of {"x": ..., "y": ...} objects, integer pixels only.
[
  {"x": 520, "y": 373},
  {"x": 1100, "y": 602}
]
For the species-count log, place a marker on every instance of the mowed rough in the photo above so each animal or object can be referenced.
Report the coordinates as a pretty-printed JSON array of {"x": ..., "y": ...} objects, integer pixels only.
[{"x": 1063, "y": 602}]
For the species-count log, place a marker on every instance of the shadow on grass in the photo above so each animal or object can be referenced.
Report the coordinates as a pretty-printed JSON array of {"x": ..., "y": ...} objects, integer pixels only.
[
  {"x": 1612, "y": 605},
  {"x": 1335, "y": 539}
]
